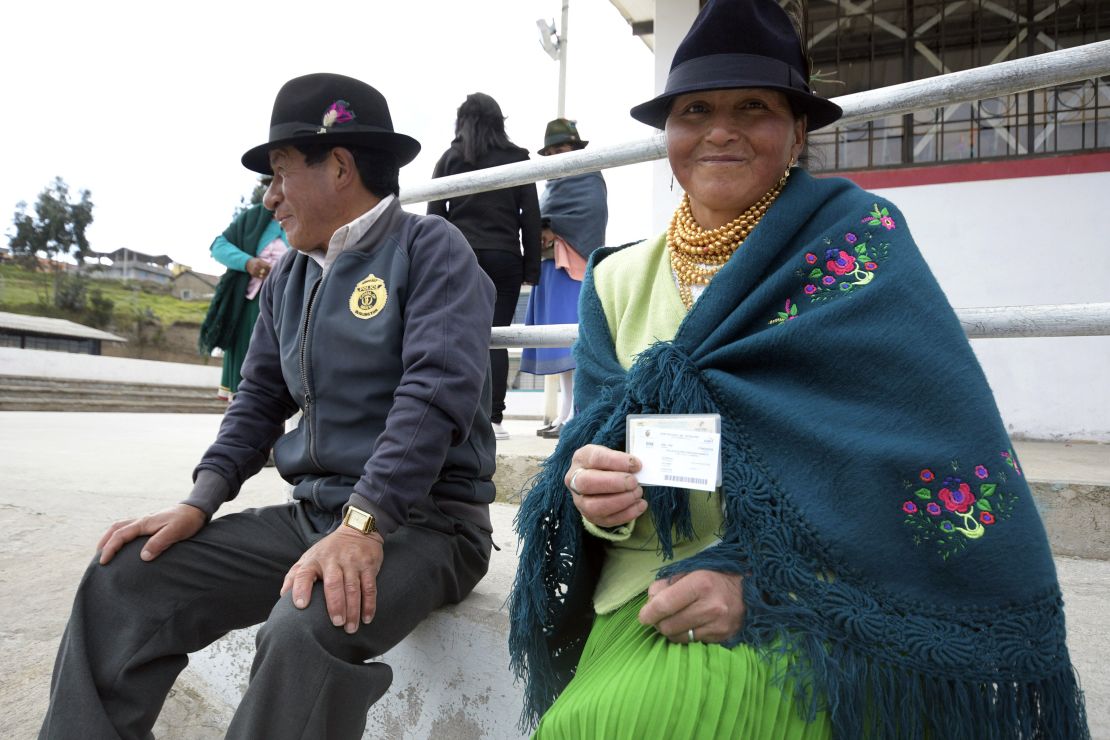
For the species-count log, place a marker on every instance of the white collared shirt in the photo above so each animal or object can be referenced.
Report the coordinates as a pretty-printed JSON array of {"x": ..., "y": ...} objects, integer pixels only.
[{"x": 349, "y": 234}]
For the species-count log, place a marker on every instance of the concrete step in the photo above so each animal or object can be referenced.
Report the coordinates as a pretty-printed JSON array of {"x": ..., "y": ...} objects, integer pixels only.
[{"x": 23, "y": 393}]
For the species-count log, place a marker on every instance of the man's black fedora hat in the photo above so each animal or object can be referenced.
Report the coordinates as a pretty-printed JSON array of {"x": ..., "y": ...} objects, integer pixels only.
[
  {"x": 331, "y": 109},
  {"x": 740, "y": 43}
]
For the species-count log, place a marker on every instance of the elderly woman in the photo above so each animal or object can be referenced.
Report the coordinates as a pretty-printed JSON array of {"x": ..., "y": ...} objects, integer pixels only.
[{"x": 870, "y": 562}]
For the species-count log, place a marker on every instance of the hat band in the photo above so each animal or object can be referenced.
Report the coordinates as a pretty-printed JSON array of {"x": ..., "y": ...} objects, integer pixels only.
[
  {"x": 282, "y": 131},
  {"x": 718, "y": 71}
]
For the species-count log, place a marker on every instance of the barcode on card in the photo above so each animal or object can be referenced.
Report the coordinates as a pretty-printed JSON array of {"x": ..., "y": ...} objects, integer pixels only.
[{"x": 685, "y": 479}]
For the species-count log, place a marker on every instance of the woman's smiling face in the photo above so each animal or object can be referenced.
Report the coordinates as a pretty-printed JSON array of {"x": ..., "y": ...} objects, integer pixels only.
[{"x": 729, "y": 147}]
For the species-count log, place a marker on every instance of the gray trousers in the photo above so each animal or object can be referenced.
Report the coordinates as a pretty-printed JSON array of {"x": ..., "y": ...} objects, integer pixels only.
[{"x": 133, "y": 624}]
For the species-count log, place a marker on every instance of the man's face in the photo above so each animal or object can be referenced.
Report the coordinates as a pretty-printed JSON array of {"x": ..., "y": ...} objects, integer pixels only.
[{"x": 302, "y": 199}]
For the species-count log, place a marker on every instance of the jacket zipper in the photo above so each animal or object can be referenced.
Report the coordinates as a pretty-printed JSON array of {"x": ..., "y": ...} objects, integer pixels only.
[{"x": 304, "y": 374}]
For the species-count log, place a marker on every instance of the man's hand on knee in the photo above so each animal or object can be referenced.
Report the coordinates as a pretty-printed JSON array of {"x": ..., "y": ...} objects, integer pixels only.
[
  {"x": 166, "y": 527},
  {"x": 348, "y": 563}
]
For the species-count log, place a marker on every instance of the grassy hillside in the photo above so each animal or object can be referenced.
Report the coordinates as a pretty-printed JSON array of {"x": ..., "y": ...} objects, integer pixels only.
[
  {"x": 27, "y": 292},
  {"x": 156, "y": 325}
]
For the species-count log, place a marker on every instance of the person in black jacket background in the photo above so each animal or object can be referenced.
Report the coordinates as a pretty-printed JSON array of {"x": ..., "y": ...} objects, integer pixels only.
[{"x": 496, "y": 223}]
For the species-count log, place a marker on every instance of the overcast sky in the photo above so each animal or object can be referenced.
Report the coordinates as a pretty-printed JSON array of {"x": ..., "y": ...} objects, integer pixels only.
[{"x": 150, "y": 105}]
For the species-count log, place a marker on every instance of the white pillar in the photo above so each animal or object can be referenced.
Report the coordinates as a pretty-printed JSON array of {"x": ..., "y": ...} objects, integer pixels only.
[{"x": 673, "y": 19}]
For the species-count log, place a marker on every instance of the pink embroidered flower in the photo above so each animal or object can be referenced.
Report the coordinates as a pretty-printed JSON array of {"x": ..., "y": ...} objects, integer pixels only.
[
  {"x": 1011, "y": 461},
  {"x": 888, "y": 222},
  {"x": 811, "y": 258},
  {"x": 869, "y": 265},
  {"x": 828, "y": 280},
  {"x": 933, "y": 508},
  {"x": 927, "y": 475},
  {"x": 851, "y": 238},
  {"x": 842, "y": 263},
  {"x": 958, "y": 498},
  {"x": 909, "y": 507},
  {"x": 810, "y": 289},
  {"x": 986, "y": 518},
  {"x": 981, "y": 472}
]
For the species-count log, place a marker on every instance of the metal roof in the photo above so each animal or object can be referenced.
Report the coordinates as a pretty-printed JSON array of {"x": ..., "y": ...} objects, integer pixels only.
[
  {"x": 640, "y": 14},
  {"x": 56, "y": 327}
]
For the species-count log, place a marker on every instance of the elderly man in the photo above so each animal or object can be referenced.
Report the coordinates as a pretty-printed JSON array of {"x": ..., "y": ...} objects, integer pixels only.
[{"x": 376, "y": 326}]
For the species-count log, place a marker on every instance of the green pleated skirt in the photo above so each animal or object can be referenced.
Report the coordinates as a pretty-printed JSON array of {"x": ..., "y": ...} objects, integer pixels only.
[
  {"x": 234, "y": 356},
  {"x": 633, "y": 683}
]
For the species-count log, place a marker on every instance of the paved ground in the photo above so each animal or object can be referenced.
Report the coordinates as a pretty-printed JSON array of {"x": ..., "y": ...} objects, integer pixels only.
[{"x": 66, "y": 476}]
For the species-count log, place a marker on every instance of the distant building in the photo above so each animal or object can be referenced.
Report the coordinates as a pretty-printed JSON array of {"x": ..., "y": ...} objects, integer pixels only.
[
  {"x": 59, "y": 335},
  {"x": 193, "y": 286},
  {"x": 128, "y": 264}
]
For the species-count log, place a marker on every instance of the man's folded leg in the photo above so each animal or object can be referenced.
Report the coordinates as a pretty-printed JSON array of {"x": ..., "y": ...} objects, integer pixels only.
[
  {"x": 311, "y": 679},
  {"x": 133, "y": 622}
]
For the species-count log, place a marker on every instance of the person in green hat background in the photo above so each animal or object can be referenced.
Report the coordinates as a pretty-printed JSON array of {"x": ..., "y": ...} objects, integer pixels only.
[{"x": 574, "y": 212}]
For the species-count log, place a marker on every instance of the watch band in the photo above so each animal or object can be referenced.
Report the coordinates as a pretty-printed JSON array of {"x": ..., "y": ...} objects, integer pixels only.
[{"x": 363, "y": 521}]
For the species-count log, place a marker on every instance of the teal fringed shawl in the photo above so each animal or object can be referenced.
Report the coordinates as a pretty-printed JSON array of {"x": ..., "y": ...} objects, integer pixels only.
[
  {"x": 225, "y": 311},
  {"x": 886, "y": 534}
]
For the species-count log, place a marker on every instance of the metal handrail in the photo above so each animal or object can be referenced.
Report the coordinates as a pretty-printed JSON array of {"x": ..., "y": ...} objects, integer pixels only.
[
  {"x": 1004, "y": 78},
  {"x": 993, "y": 322}
]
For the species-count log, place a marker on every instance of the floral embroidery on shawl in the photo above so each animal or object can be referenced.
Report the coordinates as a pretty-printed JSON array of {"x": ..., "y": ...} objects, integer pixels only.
[
  {"x": 951, "y": 512},
  {"x": 844, "y": 267}
]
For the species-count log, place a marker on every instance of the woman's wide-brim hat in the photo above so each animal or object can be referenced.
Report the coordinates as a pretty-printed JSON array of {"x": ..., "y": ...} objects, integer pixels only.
[
  {"x": 334, "y": 110},
  {"x": 741, "y": 43}
]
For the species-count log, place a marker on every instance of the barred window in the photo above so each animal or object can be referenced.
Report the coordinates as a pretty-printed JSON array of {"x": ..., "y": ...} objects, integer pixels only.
[{"x": 858, "y": 45}]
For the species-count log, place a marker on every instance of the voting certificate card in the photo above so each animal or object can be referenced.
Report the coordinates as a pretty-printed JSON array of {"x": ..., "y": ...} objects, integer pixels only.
[{"x": 681, "y": 450}]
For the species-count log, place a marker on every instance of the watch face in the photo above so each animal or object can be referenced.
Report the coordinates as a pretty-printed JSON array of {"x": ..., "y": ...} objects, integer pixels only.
[{"x": 360, "y": 520}]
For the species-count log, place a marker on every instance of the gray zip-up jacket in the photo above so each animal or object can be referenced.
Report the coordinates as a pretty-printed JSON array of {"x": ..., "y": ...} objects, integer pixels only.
[{"x": 386, "y": 352}]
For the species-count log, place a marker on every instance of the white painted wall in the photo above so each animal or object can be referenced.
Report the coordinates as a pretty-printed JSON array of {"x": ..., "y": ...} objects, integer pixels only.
[
  {"x": 1026, "y": 241},
  {"x": 673, "y": 19},
  {"x": 45, "y": 364}
]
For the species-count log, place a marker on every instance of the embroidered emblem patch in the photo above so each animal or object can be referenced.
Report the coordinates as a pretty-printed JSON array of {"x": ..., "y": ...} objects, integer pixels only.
[
  {"x": 369, "y": 297},
  {"x": 949, "y": 513}
]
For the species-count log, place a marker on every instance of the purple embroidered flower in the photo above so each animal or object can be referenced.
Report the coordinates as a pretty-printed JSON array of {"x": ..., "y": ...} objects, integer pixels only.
[
  {"x": 869, "y": 265},
  {"x": 909, "y": 507},
  {"x": 927, "y": 475},
  {"x": 851, "y": 238},
  {"x": 933, "y": 508},
  {"x": 947, "y": 526},
  {"x": 338, "y": 112},
  {"x": 981, "y": 472},
  {"x": 1011, "y": 461},
  {"x": 842, "y": 264},
  {"x": 810, "y": 289},
  {"x": 811, "y": 258},
  {"x": 828, "y": 280},
  {"x": 958, "y": 498},
  {"x": 986, "y": 518},
  {"x": 888, "y": 222}
]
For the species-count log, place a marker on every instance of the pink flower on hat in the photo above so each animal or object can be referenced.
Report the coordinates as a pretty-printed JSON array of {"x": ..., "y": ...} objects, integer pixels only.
[{"x": 338, "y": 112}]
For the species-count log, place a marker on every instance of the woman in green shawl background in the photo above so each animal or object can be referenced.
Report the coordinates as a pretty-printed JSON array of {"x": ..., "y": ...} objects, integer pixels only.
[
  {"x": 871, "y": 564},
  {"x": 249, "y": 248}
]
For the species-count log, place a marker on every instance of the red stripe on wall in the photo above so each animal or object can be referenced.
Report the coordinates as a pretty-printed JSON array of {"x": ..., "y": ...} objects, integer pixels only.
[{"x": 1004, "y": 169}]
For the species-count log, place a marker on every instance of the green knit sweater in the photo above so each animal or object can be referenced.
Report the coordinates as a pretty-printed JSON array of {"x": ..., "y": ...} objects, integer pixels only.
[{"x": 642, "y": 306}]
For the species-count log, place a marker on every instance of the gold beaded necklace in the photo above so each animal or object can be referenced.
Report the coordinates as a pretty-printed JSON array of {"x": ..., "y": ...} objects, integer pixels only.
[{"x": 697, "y": 255}]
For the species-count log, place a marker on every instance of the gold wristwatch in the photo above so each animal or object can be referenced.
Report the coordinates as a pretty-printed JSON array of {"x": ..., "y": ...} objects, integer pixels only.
[{"x": 363, "y": 521}]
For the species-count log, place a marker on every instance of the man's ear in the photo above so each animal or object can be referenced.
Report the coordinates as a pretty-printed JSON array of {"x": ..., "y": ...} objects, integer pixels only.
[{"x": 343, "y": 167}]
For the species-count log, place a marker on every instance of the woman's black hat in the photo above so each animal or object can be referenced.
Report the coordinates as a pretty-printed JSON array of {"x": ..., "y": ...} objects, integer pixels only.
[
  {"x": 741, "y": 43},
  {"x": 335, "y": 110}
]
